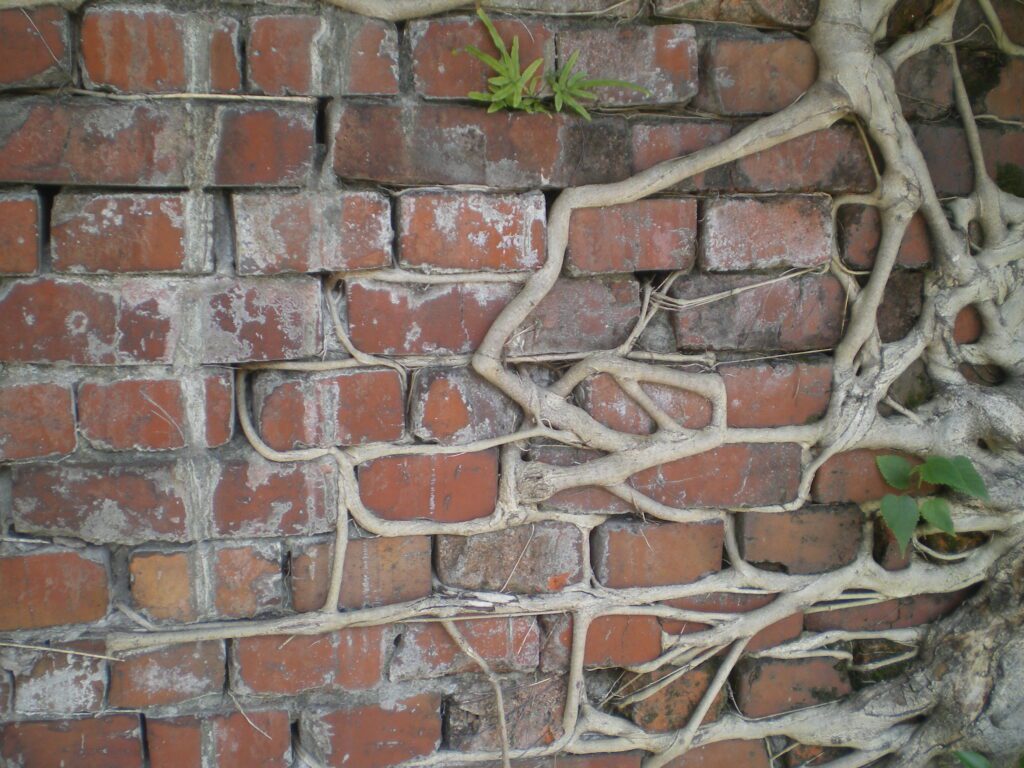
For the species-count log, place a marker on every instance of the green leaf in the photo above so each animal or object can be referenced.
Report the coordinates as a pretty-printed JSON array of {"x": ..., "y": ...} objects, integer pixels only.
[
  {"x": 958, "y": 474},
  {"x": 563, "y": 76},
  {"x": 495, "y": 107},
  {"x": 936, "y": 512},
  {"x": 531, "y": 70},
  {"x": 495, "y": 37},
  {"x": 974, "y": 485},
  {"x": 901, "y": 515},
  {"x": 558, "y": 101},
  {"x": 895, "y": 470},
  {"x": 575, "y": 105},
  {"x": 972, "y": 759},
  {"x": 487, "y": 59},
  {"x": 477, "y": 96}
]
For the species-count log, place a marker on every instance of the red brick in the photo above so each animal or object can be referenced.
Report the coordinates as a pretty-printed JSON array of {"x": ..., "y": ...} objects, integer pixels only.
[
  {"x": 418, "y": 143},
  {"x": 311, "y": 232},
  {"x": 534, "y": 715},
  {"x": 52, "y": 588},
  {"x": 174, "y": 743},
  {"x": 971, "y": 16},
  {"x": 253, "y": 319},
  {"x": 776, "y": 394},
  {"x": 381, "y": 734},
  {"x": 580, "y": 314},
  {"x": 662, "y": 59},
  {"x": 648, "y": 235},
  {"x": 945, "y": 151},
  {"x": 607, "y": 402},
  {"x": 831, "y": 160},
  {"x": 131, "y": 233},
  {"x": 247, "y": 580},
  {"x": 349, "y": 660},
  {"x": 725, "y": 754},
  {"x": 1006, "y": 100},
  {"x": 161, "y": 585},
  {"x": 801, "y": 755},
  {"x": 968, "y": 326},
  {"x": 811, "y": 540},
  {"x": 447, "y": 231},
  {"x": 586, "y": 499},
  {"x": 49, "y": 320},
  {"x": 35, "y": 44},
  {"x": 925, "y": 85},
  {"x": 219, "y": 408},
  {"x": 770, "y": 636},
  {"x": 860, "y": 233},
  {"x": 443, "y": 69},
  {"x": 168, "y": 675},
  {"x": 252, "y": 740},
  {"x": 135, "y": 50},
  {"x": 755, "y": 76},
  {"x": 225, "y": 57},
  {"x": 19, "y": 229},
  {"x": 530, "y": 559},
  {"x": 563, "y": 760},
  {"x": 853, "y": 476},
  {"x": 654, "y": 143},
  {"x": 630, "y": 553},
  {"x": 901, "y": 305},
  {"x": 369, "y": 59},
  {"x": 143, "y": 414},
  {"x": 762, "y": 13},
  {"x": 791, "y": 315},
  {"x": 770, "y": 686},
  {"x": 256, "y": 146},
  {"x": 103, "y": 742},
  {"x": 60, "y": 683},
  {"x": 891, "y": 614},
  {"x": 671, "y": 707},
  {"x": 377, "y": 571},
  {"x": 446, "y": 489},
  {"x": 734, "y": 475},
  {"x": 455, "y": 405},
  {"x": 89, "y": 142},
  {"x": 620, "y": 641},
  {"x": 413, "y": 319},
  {"x": 256, "y": 497},
  {"x": 36, "y": 420},
  {"x": 280, "y": 54},
  {"x": 428, "y": 651},
  {"x": 739, "y": 234}
]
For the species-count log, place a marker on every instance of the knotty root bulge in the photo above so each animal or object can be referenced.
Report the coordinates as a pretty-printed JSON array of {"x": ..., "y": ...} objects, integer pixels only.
[{"x": 964, "y": 669}]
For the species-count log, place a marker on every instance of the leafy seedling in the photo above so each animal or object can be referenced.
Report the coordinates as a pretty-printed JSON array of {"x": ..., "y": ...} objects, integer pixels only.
[
  {"x": 902, "y": 513},
  {"x": 570, "y": 87}
]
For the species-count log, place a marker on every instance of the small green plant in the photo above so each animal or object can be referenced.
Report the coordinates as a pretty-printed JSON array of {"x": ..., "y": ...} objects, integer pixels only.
[
  {"x": 972, "y": 759},
  {"x": 517, "y": 88},
  {"x": 902, "y": 513}
]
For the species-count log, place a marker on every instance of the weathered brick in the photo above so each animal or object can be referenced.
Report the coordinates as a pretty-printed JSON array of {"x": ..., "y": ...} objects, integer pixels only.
[
  {"x": 925, "y": 85},
  {"x": 631, "y": 553},
  {"x": 621, "y": 641},
  {"x": 811, "y": 540},
  {"x": 831, "y": 160},
  {"x": 671, "y": 707},
  {"x": 968, "y": 325},
  {"x": 648, "y": 235},
  {"x": 135, "y": 49},
  {"x": 36, "y": 46},
  {"x": 174, "y": 742},
  {"x": 769, "y": 686},
  {"x": 263, "y": 146},
  {"x": 762, "y": 13},
  {"x": 311, "y": 232},
  {"x": 454, "y": 144},
  {"x": 758, "y": 75},
  {"x": 161, "y": 585},
  {"x": 247, "y": 580},
  {"x": 443, "y": 69},
  {"x": 52, "y": 588},
  {"x": 901, "y": 305},
  {"x": 36, "y": 420},
  {"x": 219, "y": 408},
  {"x": 387, "y": 733},
  {"x": 260, "y": 319},
  {"x": 654, "y": 143},
  {"x": 860, "y": 233},
  {"x": 377, "y": 571},
  {"x": 662, "y": 59},
  {"x": 427, "y": 650},
  {"x": 945, "y": 151},
  {"x": 854, "y": 477},
  {"x": 60, "y": 683},
  {"x": 1006, "y": 99},
  {"x": 19, "y": 230},
  {"x": 788, "y": 628},
  {"x": 443, "y": 488},
  {"x": 891, "y": 614},
  {"x": 725, "y": 754},
  {"x": 349, "y": 660},
  {"x": 257, "y": 497},
  {"x": 138, "y": 414},
  {"x": 281, "y": 51},
  {"x": 471, "y": 231},
  {"x": 790, "y": 315},
  {"x": 410, "y": 319},
  {"x": 252, "y": 740},
  {"x": 87, "y": 142},
  {"x": 756, "y": 233},
  {"x": 534, "y": 714},
  {"x": 225, "y": 56},
  {"x": 531, "y": 559},
  {"x": 586, "y": 499},
  {"x": 131, "y": 233},
  {"x": 580, "y": 315},
  {"x": 103, "y": 503},
  {"x": 367, "y": 57},
  {"x": 739, "y": 474},
  {"x": 455, "y": 405},
  {"x": 324, "y": 409},
  {"x": 167, "y": 675},
  {"x": 114, "y": 741}
]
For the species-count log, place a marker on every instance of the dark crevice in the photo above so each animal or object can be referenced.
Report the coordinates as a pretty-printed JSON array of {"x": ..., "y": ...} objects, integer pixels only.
[{"x": 47, "y": 198}]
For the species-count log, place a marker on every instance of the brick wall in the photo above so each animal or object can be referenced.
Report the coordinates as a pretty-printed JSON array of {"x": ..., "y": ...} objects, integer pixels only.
[{"x": 297, "y": 164}]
